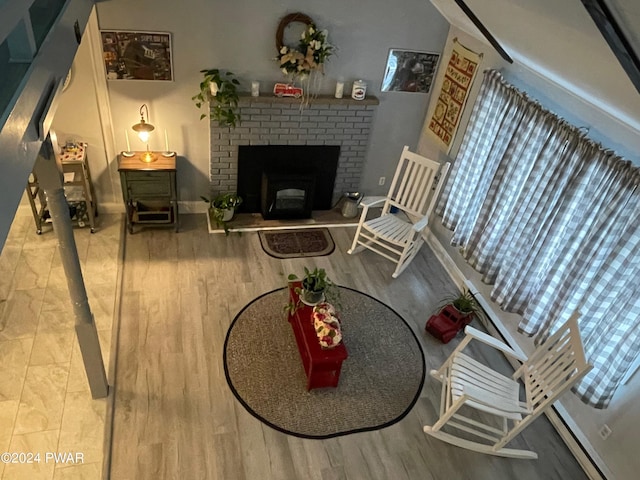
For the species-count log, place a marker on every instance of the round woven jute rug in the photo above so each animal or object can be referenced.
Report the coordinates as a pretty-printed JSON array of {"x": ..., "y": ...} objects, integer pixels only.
[{"x": 379, "y": 383}]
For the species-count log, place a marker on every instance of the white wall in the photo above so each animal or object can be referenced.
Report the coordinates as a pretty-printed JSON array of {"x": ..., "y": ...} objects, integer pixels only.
[
  {"x": 623, "y": 415},
  {"x": 78, "y": 118},
  {"x": 240, "y": 36}
]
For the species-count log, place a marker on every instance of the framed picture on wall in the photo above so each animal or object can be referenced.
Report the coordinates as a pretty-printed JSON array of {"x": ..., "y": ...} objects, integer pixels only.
[
  {"x": 409, "y": 71},
  {"x": 137, "y": 55}
]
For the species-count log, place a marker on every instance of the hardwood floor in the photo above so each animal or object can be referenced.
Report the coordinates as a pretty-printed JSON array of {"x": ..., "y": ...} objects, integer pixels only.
[
  {"x": 45, "y": 402},
  {"x": 175, "y": 416}
]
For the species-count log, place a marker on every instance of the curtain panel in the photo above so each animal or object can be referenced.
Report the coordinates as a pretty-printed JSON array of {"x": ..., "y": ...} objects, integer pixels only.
[{"x": 552, "y": 221}]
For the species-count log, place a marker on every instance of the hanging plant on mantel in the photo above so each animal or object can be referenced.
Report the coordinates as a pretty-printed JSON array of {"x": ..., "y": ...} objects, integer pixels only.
[
  {"x": 219, "y": 95},
  {"x": 304, "y": 61}
]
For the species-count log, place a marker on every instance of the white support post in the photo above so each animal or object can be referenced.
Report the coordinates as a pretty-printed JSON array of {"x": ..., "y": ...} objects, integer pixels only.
[{"x": 50, "y": 178}]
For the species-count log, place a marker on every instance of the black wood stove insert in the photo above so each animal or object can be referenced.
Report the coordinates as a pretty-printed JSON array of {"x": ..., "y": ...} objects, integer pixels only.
[
  {"x": 286, "y": 181},
  {"x": 287, "y": 195}
]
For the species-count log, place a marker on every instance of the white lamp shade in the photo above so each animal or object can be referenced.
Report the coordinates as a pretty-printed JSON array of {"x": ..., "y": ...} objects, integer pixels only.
[{"x": 144, "y": 136}]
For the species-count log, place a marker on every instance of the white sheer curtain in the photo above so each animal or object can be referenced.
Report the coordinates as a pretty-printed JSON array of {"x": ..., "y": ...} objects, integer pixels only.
[{"x": 552, "y": 221}]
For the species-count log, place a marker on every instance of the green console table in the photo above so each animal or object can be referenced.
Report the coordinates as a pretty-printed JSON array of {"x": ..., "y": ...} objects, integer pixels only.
[{"x": 149, "y": 190}]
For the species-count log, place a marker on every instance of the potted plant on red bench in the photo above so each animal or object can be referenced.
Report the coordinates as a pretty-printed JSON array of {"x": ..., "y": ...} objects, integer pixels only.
[{"x": 316, "y": 287}]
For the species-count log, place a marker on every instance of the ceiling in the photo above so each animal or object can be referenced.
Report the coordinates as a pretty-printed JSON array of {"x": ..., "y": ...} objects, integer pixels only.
[
  {"x": 561, "y": 41},
  {"x": 627, "y": 13}
]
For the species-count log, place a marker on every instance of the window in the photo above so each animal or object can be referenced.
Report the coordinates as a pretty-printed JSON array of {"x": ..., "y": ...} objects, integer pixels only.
[{"x": 552, "y": 221}]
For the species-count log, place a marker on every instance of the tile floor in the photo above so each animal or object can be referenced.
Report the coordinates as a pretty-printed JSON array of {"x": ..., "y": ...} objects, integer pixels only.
[{"x": 45, "y": 402}]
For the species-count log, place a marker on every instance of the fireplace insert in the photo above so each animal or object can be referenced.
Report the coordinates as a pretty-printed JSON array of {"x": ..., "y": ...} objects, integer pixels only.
[
  {"x": 287, "y": 195},
  {"x": 307, "y": 163}
]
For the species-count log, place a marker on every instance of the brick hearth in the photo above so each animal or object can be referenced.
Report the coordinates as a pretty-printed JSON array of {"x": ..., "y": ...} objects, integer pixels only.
[{"x": 271, "y": 120}]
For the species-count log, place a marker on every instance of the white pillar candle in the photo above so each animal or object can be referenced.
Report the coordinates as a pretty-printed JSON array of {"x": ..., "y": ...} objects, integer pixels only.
[
  {"x": 339, "y": 89},
  {"x": 255, "y": 89},
  {"x": 166, "y": 141},
  {"x": 126, "y": 134}
]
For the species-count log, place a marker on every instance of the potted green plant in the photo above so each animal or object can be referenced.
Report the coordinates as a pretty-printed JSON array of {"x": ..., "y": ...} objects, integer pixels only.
[
  {"x": 316, "y": 287},
  {"x": 220, "y": 91},
  {"x": 456, "y": 313},
  {"x": 465, "y": 303},
  {"x": 222, "y": 209}
]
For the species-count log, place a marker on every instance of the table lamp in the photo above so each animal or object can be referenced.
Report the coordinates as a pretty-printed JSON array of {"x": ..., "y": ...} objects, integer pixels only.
[{"x": 143, "y": 128}]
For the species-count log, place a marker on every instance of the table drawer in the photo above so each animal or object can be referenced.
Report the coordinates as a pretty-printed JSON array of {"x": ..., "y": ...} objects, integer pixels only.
[
  {"x": 135, "y": 176},
  {"x": 149, "y": 189}
]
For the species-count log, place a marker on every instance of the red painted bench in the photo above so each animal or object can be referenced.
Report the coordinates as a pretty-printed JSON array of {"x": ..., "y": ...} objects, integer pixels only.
[{"x": 321, "y": 365}]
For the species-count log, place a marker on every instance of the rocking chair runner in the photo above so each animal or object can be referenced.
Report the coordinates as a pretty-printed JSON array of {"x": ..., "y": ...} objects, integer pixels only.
[
  {"x": 399, "y": 237},
  {"x": 468, "y": 385}
]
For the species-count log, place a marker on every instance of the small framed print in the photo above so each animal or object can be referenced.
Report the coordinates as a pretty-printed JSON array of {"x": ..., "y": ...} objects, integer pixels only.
[
  {"x": 137, "y": 55},
  {"x": 409, "y": 71}
]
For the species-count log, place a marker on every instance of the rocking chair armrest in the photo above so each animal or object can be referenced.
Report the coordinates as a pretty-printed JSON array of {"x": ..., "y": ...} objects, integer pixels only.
[
  {"x": 421, "y": 224},
  {"x": 371, "y": 201},
  {"x": 493, "y": 342}
]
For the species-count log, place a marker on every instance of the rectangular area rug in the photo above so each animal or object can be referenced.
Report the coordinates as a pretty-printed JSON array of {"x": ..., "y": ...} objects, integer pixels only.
[{"x": 305, "y": 242}]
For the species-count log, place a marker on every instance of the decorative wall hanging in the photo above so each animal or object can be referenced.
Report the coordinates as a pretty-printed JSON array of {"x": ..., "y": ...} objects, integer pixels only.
[
  {"x": 409, "y": 71},
  {"x": 457, "y": 81},
  {"x": 312, "y": 51},
  {"x": 137, "y": 55}
]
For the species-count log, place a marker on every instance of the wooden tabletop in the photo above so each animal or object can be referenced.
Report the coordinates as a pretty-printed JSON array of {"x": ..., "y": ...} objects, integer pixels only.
[{"x": 135, "y": 163}]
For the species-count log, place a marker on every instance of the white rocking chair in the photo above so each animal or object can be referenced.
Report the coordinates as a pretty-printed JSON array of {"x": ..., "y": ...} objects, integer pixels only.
[
  {"x": 468, "y": 385},
  {"x": 399, "y": 237}
]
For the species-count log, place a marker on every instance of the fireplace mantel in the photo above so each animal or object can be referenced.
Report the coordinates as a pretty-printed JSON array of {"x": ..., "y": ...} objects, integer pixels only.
[
  {"x": 271, "y": 120},
  {"x": 246, "y": 98}
]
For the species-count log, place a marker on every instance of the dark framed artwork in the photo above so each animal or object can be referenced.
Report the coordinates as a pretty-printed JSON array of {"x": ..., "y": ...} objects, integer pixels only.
[
  {"x": 137, "y": 55},
  {"x": 409, "y": 71}
]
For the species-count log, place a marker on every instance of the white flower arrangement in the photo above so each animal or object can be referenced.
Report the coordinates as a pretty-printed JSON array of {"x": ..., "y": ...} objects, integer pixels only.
[
  {"x": 313, "y": 50},
  {"x": 327, "y": 325}
]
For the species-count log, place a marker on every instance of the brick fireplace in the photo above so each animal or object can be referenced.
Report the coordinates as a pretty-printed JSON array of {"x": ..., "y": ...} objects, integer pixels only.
[{"x": 269, "y": 120}]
